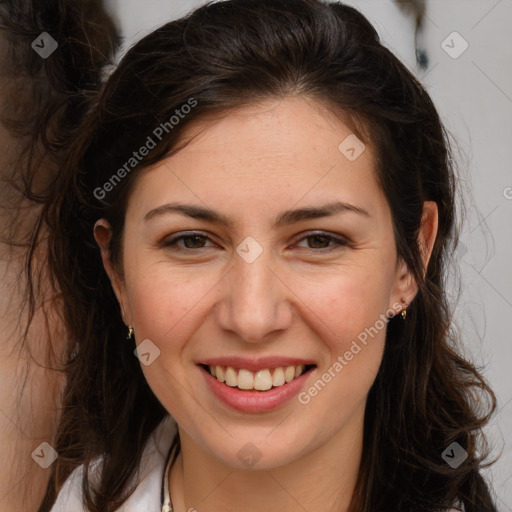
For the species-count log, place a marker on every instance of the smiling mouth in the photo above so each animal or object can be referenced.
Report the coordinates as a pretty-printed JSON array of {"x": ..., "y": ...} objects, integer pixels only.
[{"x": 262, "y": 380}]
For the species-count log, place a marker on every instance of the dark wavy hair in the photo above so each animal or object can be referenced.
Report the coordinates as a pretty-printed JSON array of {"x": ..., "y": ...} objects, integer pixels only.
[
  {"x": 43, "y": 103},
  {"x": 222, "y": 56}
]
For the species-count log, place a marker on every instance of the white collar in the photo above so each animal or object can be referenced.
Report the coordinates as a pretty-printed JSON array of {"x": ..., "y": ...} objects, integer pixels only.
[{"x": 147, "y": 495}]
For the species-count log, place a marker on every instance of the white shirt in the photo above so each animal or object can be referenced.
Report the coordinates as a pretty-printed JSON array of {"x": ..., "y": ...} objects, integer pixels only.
[{"x": 147, "y": 495}]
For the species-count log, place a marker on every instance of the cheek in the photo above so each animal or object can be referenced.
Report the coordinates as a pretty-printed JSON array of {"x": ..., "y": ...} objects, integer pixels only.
[
  {"x": 348, "y": 300},
  {"x": 349, "y": 311},
  {"x": 352, "y": 325},
  {"x": 165, "y": 303},
  {"x": 163, "y": 298}
]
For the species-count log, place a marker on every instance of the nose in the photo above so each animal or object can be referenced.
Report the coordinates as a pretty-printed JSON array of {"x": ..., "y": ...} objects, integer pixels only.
[{"x": 255, "y": 300}]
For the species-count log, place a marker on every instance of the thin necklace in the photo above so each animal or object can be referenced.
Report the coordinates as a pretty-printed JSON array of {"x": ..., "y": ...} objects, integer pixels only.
[{"x": 171, "y": 458}]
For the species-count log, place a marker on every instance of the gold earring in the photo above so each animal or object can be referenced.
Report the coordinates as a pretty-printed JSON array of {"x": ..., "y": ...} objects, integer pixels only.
[
  {"x": 130, "y": 333},
  {"x": 404, "y": 311}
]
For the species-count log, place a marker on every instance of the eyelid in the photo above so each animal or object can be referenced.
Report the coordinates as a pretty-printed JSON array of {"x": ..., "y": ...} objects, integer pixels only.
[
  {"x": 185, "y": 234},
  {"x": 338, "y": 242}
]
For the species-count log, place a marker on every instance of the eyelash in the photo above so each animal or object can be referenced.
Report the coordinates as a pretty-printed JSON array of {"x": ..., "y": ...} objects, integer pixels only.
[{"x": 339, "y": 242}]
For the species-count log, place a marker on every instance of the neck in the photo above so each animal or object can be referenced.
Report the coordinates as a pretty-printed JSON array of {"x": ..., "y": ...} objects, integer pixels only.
[{"x": 321, "y": 479}]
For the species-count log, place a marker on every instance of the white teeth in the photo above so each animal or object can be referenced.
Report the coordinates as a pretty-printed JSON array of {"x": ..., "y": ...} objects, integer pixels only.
[
  {"x": 289, "y": 373},
  {"x": 278, "y": 377},
  {"x": 231, "y": 377},
  {"x": 261, "y": 380},
  {"x": 245, "y": 379},
  {"x": 219, "y": 373}
]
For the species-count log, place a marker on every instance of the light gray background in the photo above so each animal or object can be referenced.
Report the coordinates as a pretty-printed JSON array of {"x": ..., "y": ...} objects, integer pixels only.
[{"x": 473, "y": 94}]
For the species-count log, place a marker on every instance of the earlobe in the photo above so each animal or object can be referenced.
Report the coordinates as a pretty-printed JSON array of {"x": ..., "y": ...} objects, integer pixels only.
[{"x": 406, "y": 287}]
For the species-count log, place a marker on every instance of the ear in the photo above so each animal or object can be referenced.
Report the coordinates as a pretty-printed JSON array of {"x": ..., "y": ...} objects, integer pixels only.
[
  {"x": 405, "y": 286},
  {"x": 428, "y": 232},
  {"x": 102, "y": 235}
]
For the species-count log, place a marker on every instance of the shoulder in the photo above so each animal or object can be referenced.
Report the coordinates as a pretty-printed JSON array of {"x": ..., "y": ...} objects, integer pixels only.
[{"x": 146, "y": 495}]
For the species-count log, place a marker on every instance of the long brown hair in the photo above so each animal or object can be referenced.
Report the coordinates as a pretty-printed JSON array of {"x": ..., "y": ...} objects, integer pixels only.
[
  {"x": 222, "y": 56},
  {"x": 44, "y": 101}
]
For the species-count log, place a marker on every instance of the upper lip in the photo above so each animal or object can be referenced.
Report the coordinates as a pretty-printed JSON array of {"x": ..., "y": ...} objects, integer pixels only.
[{"x": 260, "y": 363}]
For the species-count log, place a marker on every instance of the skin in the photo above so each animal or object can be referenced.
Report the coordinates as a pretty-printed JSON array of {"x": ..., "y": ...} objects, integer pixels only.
[
  {"x": 296, "y": 299},
  {"x": 28, "y": 415}
]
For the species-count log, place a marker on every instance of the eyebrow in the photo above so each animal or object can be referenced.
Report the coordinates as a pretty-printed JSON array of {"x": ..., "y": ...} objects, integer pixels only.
[{"x": 285, "y": 218}]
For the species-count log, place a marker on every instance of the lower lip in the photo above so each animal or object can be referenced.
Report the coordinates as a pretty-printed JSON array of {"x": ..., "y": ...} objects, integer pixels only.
[{"x": 255, "y": 401}]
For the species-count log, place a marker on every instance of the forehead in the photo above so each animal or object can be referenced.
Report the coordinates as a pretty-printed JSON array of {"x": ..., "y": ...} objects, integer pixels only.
[
  {"x": 274, "y": 125},
  {"x": 272, "y": 152}
]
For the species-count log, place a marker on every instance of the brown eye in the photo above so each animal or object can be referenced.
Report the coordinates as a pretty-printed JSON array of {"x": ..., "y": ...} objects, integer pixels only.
[
  {"x": 319, "y": 241},
  {"x": 317, "y": 238},
  {"x": 191, "y": 241}
]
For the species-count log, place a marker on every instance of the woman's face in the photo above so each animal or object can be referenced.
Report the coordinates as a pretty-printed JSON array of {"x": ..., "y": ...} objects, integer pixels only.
[{"x": 267, "y": 290}]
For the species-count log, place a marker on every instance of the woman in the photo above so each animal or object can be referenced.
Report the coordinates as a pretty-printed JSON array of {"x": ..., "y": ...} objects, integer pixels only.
[{"x": 271, "y": 373}]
